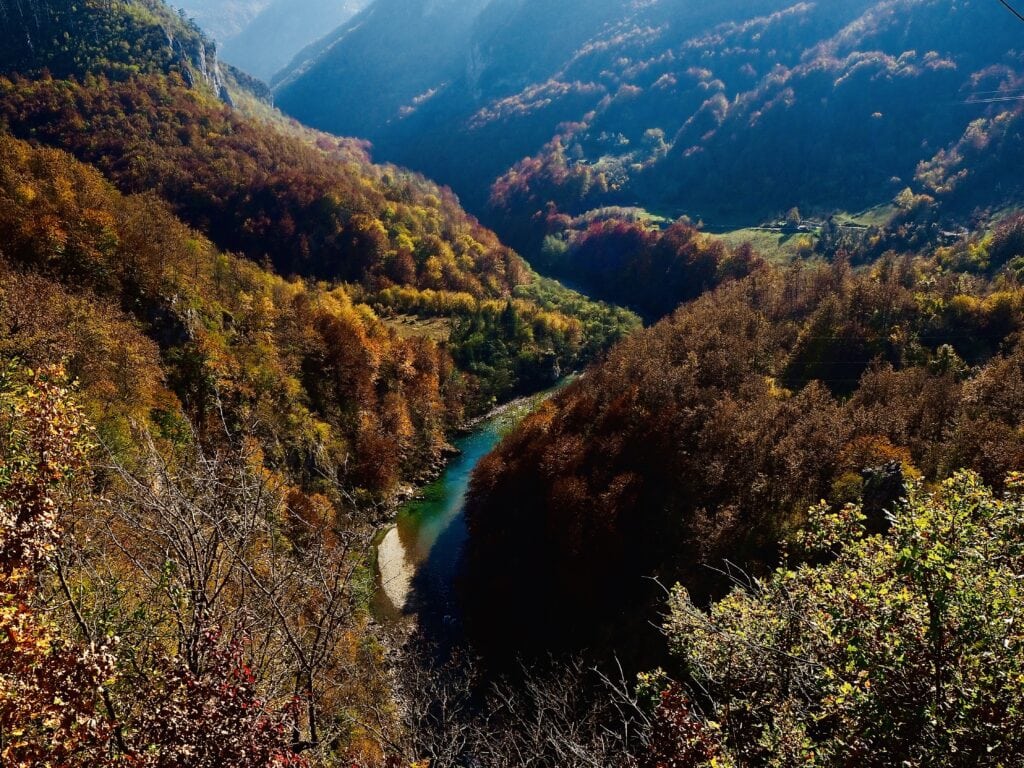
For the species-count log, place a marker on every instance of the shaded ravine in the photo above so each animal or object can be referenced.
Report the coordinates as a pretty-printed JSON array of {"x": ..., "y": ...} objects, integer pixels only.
[{"x": 419, "y": 557}]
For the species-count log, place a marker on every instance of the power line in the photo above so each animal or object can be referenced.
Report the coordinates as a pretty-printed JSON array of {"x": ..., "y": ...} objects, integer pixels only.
[
  {"x": 1012, "y": 10},
  {"x": 993, "y": 101}
]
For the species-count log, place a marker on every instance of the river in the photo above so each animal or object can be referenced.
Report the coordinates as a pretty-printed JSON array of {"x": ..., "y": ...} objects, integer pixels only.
[{"x": 418, "y": 558}]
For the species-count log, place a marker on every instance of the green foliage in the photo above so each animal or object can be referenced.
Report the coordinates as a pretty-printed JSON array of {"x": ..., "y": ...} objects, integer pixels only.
[
  {"x": 988, "y": 253},
  {"x": 517, "y": 345},
  {"x": 600, "y": 324},
  {"x": 123, "y": 36},
  {"x": 900, "y": 649},
  {"x": 530, "y": 342}
]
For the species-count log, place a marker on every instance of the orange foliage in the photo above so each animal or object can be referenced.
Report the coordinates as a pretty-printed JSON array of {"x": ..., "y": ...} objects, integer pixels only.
[
  {"x": 257, "y": 190},
  {"x": 131, "y": 298},
  {"x": 49, "y": 688},
  {"x": 708, "y": 436}
]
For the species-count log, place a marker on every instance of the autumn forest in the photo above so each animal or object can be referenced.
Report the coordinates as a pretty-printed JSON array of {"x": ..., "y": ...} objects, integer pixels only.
[{"x": 508, "y": 384}]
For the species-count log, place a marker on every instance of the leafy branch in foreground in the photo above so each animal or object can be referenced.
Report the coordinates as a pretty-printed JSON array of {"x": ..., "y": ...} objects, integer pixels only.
[
  {"x": 83, "y": 701},
  {"x": 904, "y": 648},
  {"x": 49, "y": 688}
]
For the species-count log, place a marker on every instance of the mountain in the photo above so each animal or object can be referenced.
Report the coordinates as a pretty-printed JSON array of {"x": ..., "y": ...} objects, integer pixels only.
[
  {"x": 228, "y": 345},
  {"x": 728, "y": 112},
  {"x": 443, "y": 55},
  {"x": 260, "y": 37},
  {"x": 232, "y": 347},
  {"x": 309, "y": 204},
  {"x": 283, "y": 29},
  {"x": 367, "y": 70},
  {"x": 222, "y": 19}
]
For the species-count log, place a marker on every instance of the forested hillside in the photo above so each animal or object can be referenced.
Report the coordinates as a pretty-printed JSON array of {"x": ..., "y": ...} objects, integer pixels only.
[
  {"x": 203, "y": 383},
  {"x": 730, "y": 113},
  {"x": 636, "y": 103},
  {"x": 160, "y": 328},
  {"x": 309, "y": 204},
  {"x": 379, "y": 65},
  {"x": 892, "y": 623},
  {"x": 706, "y": 438}
]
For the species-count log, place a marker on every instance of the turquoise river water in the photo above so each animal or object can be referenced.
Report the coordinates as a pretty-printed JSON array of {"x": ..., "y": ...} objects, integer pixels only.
[{"x": 418, "y": 559}]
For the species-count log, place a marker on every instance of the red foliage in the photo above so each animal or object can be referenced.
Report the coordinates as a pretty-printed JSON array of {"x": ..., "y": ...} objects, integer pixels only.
[
  {"x": 679, "y": 739},
  {"x": 211, "y": 718},
  {"x": 627, "y": 260},
  {"x": 49, "y": 687}
]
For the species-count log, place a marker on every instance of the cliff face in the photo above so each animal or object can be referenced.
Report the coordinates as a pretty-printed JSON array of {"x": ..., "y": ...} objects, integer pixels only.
[
  {"x": 199, "y": 63},
  {"x": 143, "y": 37}
]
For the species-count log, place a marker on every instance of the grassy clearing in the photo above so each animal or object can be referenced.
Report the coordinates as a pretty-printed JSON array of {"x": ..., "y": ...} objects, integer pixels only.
[
  {"x": 873, "y": 217},
  {"x": 782, "y": 247},
  {"x": 413, "y": 327},
  {"x": 774, "y": 246}
]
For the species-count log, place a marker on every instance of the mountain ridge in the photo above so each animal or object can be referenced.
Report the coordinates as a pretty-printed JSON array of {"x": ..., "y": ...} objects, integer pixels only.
[{"x": 677, "y": 108}]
